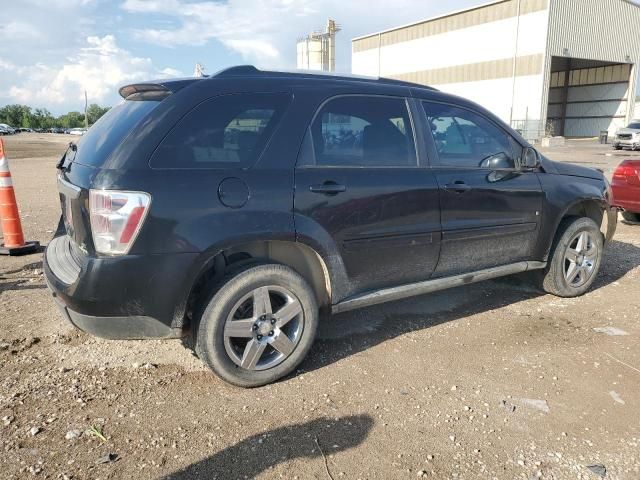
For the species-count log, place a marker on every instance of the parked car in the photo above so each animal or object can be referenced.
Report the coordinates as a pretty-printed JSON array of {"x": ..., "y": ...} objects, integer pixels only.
[
  {"x": 628, "y": 137},
  {"x": 248, "y": 202},
  {"x": 76, "y": 131},
  {"x": 626, "y": 189},
  {"x": 6, "y": 129}
]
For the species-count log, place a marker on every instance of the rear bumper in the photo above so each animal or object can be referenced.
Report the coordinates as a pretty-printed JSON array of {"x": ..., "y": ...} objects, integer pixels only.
[
  {"x": 629, "y": 206},
  {"x": 118, "y": 328},
  {"x": 128, "y": 297},
  {"x": 626, "y": 197}
]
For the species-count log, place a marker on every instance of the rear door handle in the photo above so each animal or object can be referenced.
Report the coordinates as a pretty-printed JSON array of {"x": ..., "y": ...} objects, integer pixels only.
[
  {"x": 457, "y": 187},
  {"x": 328, "y": 188}
]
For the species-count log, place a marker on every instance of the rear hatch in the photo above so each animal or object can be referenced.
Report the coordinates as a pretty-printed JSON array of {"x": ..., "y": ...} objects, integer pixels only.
[{"x": 92, "y": 154}]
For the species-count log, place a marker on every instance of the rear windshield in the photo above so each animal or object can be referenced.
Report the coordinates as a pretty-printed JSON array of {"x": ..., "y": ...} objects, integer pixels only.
[
  {"x": 103, "y": 137},
  {"x": 229, "y": 131}
]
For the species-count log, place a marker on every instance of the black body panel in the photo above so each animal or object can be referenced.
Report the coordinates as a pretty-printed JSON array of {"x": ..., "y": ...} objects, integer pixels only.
[{"x": 371, "y": 227}]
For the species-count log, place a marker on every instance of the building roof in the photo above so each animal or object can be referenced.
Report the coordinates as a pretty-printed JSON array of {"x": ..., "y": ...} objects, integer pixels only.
[
  {"x": 450, "y": 14},
  {"x": 431, "y": 19}
]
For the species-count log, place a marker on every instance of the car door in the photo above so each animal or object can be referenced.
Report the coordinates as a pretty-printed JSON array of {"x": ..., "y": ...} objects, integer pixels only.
[
  {"x": 359, "y": 181},
  {"x": 490, "y": 207}
]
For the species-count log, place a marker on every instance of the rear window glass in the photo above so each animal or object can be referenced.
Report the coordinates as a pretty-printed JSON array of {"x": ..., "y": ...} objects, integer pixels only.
[
  {"x": 95, "y": 146},
  {"x": 225, "y": 131}
]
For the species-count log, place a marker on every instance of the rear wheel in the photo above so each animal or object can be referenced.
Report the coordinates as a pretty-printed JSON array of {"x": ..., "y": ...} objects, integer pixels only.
[
  {"x": 631, "y": 217},
  {"x": 575, "y": 258},
  {"x": 258, "y": 326}
]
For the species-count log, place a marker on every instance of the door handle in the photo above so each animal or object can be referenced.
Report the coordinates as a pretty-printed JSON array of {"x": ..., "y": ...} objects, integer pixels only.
[
  {"x": 328, "y": 188},
  {"x": 458, "y": 187}
]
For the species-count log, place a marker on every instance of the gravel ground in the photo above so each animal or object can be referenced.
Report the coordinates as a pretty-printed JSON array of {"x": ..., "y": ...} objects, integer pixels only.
[{"x": 494, "y": 380}]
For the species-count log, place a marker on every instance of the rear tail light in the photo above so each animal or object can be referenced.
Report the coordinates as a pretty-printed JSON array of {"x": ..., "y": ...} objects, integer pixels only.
[
  {"x": 627, "y": 172},
  {"x": 116, "y": 219}
]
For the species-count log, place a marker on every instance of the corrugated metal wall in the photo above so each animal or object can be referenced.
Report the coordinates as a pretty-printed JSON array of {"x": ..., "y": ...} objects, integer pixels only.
[
  {"x": 604, "y": 30},
  {"x": 447, "y": 23},
  {"x": 607, "y": 30}
]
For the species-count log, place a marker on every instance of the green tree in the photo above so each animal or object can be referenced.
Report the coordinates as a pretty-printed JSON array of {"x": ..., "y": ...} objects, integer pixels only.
[
  {"x": 24, "y": 116},
  {"x": 94, "y": 112},
  {"x": 14, "y": 114},
  {"x": 42, "y": 118},
  {"x": 71, "y": 120}
]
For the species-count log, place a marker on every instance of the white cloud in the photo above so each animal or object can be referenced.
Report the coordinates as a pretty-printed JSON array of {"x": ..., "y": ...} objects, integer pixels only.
[
  {"x": 12, "y": 30},
  {"x": 99, "y": 67},
  {"x": 7, "y": 65},
  {"x": 171, "y": 72},
  {"x": 253, "y": 48},
  {"x": 265, "y": 31},
  {"x": 245, "y": 26}
]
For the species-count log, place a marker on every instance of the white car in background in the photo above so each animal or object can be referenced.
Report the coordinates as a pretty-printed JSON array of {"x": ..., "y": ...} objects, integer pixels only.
[
  {"x": 628, "y": 137},
  {"x": 77, "y": 131}
]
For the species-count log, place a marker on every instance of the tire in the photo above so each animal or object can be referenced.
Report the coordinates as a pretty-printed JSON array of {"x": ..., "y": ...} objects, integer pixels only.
[
  {"x": 558, "y": 278},
  {"x": 258, "y": 349},
  {"x": 631, "y": 217}
]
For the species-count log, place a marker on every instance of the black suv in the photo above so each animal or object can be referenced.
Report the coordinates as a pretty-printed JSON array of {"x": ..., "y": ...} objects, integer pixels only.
[{"x": 242, "y": 205}]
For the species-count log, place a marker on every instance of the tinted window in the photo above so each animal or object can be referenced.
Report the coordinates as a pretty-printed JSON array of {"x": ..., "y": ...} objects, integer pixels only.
[
  {"x": 95, "y": 146},
  {"x": 463, "y": 138},
  {"x": 363, "y": 131},
  {"x": 225, "y": 131}
]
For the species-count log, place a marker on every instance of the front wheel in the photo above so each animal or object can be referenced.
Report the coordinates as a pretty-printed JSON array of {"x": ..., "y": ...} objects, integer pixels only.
[
  {"x": 574, "y": 259},
  {"x": 258, "y": 326}
]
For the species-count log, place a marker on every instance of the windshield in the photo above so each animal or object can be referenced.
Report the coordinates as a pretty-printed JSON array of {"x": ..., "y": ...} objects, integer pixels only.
[
  {"x": 107, "y": 133},
  {"x": 634, "y": 126}
]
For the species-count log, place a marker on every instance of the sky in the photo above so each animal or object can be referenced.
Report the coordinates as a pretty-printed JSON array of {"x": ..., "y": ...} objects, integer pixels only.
[{"x": 52, "y": 50}]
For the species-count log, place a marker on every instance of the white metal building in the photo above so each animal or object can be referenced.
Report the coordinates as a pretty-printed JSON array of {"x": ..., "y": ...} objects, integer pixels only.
[{"x": 554, "y": 67}]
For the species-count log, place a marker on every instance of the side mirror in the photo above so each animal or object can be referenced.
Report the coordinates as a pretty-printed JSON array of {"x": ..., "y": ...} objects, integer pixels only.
[
  {"x": 498, "y": 161},
  {"x": 530, "y": 158}
]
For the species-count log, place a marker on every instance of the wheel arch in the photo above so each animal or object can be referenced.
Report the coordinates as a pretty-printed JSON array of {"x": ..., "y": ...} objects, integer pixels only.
[
  {"x": 213, "y": 266},
  {"x": 593, "y": 208}
]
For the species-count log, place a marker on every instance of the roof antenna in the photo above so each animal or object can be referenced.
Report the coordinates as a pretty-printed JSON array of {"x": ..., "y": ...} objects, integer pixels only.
[{"x": 198, "y": 72}]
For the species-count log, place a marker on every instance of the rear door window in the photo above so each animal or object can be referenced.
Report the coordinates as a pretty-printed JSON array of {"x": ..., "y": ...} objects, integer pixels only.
[
  {"x": 363, "y": 131},
  {"x": 229, "y": 131}
]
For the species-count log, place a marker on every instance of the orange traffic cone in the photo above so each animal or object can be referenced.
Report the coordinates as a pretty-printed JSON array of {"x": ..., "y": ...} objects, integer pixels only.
[{"x": 14, "y": 243}]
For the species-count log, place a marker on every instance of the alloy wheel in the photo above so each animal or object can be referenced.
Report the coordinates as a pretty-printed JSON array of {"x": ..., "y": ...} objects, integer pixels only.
[
  {"x": 263, "y": 328},
  {"x": 580, "y": 259}
]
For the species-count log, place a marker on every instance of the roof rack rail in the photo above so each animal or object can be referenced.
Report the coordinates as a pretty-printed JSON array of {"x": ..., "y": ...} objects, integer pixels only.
[
  {"x": 237, "y": 70},
  {"x": 241, "y": 70}
]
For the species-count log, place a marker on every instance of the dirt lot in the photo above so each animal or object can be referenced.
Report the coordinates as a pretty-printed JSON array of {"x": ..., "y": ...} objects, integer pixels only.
[{"x": 494, "y": 380}]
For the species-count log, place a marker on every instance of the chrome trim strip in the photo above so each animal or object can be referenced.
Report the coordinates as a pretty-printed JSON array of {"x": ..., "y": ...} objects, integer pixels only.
[
  {"x": 429, "y": 286},
  {"x": 68, "y": 189}
]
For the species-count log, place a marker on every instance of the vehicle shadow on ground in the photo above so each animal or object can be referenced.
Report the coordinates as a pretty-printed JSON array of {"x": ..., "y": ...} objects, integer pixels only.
[
  {"x": 349, "y": 333},
  {"x": 258, "y": 453},
  {"x": 21, "y": 285},
  {"x": 17, "y": 280}
]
